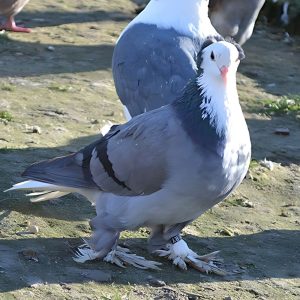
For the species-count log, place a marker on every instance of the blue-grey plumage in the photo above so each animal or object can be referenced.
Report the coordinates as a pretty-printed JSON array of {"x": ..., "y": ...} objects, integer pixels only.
[
  {"x": 163, "y": 168},
  {"x": 155, "y": 55}
]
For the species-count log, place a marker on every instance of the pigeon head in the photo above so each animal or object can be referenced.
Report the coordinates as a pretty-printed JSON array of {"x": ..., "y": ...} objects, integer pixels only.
[{"x": 219, "y": 60}]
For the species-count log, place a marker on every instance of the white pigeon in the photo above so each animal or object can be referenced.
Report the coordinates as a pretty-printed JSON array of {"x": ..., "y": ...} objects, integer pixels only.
[
  {"x": 162, "y": 169},
  {"x": 155, "y": 56}
]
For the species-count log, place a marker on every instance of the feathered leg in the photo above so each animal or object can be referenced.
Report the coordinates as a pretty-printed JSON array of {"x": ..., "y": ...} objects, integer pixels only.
[
  {"x": 179, "y": 252},
  {"x": 104, "y": 245}
]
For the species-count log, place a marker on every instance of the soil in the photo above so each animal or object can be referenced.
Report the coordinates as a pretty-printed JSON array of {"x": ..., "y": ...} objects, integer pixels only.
[{"x": 56, "y": 84}]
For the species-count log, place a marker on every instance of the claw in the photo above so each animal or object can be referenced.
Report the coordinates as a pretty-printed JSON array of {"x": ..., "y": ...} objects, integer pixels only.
[{"x": 181, "y": 255}]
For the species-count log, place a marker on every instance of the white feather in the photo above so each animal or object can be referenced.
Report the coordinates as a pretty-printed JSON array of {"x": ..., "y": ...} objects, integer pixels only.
[
  {"x": 46, "y": 191},
  {"x": 34, "y": 185},
  {"x": 127, "y": 113},
  {"x": 188, "y": 17}
]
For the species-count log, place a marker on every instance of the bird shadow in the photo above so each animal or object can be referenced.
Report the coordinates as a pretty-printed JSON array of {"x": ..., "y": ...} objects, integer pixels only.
[
  {"x": 24, "y": 59},
  {"x": 275, "y": 72},
  {"x": 267, "y": 254},
  {"x": 14, "y": 161},
  {"x": 49, "y": 18},
  {"x": 283, "y": 149}
]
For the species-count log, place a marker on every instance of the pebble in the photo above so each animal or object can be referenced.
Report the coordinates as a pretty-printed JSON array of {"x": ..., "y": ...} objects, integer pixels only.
[
  {"x": 271, "y": 85},
  {"x": 155, "y": 282},
  {"x": 33, "y": 229},
  {"x": 51, "y": 48},
  {"x": 282, "y": 131},
  {"x": 247, "y": 203},
  {"x": 267, "y": 164},
  {"x": 30, "y": 254},
  {"x": 226, "y": 231}
]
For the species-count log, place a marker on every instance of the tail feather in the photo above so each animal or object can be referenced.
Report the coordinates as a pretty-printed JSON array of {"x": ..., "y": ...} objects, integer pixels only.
[
  {"x": 45, "y": 191},
  {"x": 46, "y": 196}
]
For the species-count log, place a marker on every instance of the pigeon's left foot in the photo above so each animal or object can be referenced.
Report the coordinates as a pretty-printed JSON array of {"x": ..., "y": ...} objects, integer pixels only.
[
  {"x": 119, "y": 256},
  {"x": 10, "y": 25},
  {"x": 181, "y": 254},
  {"x": 122, "y": 257}
]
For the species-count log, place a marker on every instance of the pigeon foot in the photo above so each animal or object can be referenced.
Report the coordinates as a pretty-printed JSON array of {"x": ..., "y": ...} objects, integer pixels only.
[
  {"x": 181, "y": 255},
  {"x": 123, "y": 257},
  {"x": 10, "y": 25},
  {"x": 119, "y": 256}
]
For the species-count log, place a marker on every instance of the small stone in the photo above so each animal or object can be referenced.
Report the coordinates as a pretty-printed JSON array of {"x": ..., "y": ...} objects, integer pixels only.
[
  {"x": 30, "y": 254},
  {"x": 284, "y": 214},
  {"x": 109, "y": 114},
  {"x": 97, "y": 275},
  {"x": 95, "y": 121},
  {"x": 247, "y": 203},
  {"x": 51, "y": 48},
  {"x": 267, "y": 164},
  {"x": 36, "y": 129},
  {"x": 282, "y": 131},
  {"x": 155, "y": 282},
  {"x": 33, "y": 229},
  {"x": 226, "y": 231},
  {"x": 228, "y": 298}
]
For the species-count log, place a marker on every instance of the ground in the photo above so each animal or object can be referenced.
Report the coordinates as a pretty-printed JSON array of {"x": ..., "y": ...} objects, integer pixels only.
[{"x": 56, "y": 91}]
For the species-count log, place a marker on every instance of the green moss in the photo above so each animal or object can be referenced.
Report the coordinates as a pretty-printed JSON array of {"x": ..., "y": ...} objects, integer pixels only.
[
  {"x": 5, "y": 115},
  {"x": 284, "y": 105},
  {"x": 8, "y": 87}
]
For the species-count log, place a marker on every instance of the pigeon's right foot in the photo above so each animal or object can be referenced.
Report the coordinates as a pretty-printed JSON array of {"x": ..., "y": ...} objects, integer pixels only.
[
  {"x": 10, "y": 25},
  {"x": 181, "y": 255},
  {"x": 119, "y": 256}
]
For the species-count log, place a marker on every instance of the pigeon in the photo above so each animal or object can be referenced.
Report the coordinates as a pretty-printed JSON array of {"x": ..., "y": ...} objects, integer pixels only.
[
  {"x": 235, "y": 18},
  {"x": 162, "y": 169},
  {"x": 10, "y": 8},
  {"x": 155, "y": 55}
]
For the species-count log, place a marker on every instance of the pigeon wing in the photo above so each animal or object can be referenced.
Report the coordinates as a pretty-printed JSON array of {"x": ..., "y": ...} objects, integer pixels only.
[{"x": 129, "y": 160}]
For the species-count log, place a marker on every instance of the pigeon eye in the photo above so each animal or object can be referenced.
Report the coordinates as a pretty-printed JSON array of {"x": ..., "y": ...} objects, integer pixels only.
[{"x": 212, "y": 56}]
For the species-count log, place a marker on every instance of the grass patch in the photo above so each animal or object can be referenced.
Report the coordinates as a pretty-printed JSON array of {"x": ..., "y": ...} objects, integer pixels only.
[
  {"x": 5, "y": 115},
  {"x": 60, "y": 88},
  {"x": 283, "y": 106},
  {"x": 8, "y": 88},
  {"x": 4, "y": 38}
]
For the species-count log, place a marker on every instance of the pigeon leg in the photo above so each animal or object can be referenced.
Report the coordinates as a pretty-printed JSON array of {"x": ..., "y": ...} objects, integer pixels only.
[
  {"x": 10, "y": 25},
  {"x": 181, "y": 255},
  {"x": 118, "y": 255}
]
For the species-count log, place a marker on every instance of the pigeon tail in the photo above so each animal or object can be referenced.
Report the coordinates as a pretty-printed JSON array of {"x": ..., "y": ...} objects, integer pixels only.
[{"x": 42, "y": 191}]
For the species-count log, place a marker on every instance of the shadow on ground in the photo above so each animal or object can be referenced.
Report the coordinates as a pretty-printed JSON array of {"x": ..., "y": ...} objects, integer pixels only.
[
  {"x": 55, "y": 18},
  {"x": 257, "y": 256},
  {"x": 24, "y": 59},
  {"x": 265, "y": 70}
]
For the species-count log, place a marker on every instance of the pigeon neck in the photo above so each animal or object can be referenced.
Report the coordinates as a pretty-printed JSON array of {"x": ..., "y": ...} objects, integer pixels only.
[
  {"x": 220, "y": 102},
  {"x": 189, "y": 17}
]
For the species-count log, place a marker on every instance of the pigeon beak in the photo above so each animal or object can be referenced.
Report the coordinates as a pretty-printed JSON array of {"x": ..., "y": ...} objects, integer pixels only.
[{"x": 224, "y": 72}]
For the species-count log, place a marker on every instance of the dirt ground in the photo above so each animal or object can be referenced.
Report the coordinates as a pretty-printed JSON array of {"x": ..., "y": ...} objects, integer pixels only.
[{"x": 57, "y": 87}]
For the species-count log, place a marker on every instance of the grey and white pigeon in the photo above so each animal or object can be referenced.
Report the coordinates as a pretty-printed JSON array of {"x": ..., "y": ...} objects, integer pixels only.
[
  {"x": 155, "y": 56},
  {"x": 10, "y": 8},
  {"x": 235, "y": 18},
  {"x": 162, "y": 169}
]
